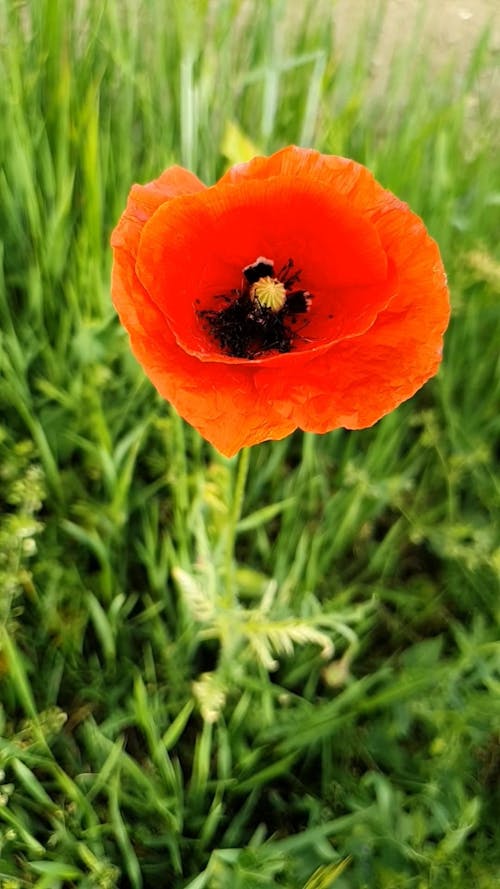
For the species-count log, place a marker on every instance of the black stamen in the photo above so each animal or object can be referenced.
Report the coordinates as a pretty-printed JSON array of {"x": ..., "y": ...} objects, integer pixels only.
[
  {"x": 289, "y": 280},
  {"x": 244, "y": 328},
  {"x": 297, "y": 301},
  {"x": 283, "y": 272},
  {"x": 261, "y": 268}
]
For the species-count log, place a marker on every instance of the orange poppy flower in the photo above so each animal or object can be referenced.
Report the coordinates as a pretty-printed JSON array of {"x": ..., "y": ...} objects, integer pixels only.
[{"x": 294, "y": 293}]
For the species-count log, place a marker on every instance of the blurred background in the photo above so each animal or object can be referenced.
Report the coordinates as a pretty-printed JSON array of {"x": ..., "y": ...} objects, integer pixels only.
[
  {"x": 445, "y": 34},
  {"x": 353, "y": 737}
]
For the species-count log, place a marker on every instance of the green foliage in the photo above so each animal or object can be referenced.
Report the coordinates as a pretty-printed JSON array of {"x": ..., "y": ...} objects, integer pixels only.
[{"x": 322, "y": 709}]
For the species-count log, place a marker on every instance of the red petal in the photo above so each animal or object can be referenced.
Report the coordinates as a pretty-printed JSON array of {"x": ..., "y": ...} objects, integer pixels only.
[{"x": 195, "y": 247}]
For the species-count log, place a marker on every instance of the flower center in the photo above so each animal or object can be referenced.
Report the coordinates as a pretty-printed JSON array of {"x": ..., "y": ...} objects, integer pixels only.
[
  {"x": 269, "y": 292},
  {"x": 259, "y": 316}
]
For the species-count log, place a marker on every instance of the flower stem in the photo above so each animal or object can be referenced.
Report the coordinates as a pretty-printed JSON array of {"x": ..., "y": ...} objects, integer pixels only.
[{"x": 233, "y": 519}]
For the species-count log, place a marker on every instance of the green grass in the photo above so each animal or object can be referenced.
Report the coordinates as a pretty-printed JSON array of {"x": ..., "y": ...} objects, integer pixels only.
[{"x": 342, "y": 727}]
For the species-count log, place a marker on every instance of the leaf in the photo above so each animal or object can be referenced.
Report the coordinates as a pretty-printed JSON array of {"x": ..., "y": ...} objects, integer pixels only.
[
  {"x": 237, "y": 147},
  {"x": 266, "y": 637},
  {"x": 198, "y": 601},
  {"x": 261, "y": 516},
  {"x": 326, "y": 876},
  {"x": 210, "y": 693}
]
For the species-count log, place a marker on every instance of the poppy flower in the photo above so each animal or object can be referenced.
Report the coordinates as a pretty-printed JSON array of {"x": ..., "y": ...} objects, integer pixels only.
[{"x": 294, "y": 293}]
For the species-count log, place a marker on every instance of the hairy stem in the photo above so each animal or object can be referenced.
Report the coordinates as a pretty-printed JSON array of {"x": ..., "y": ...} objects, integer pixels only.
[{"x": 238, "y": 493}]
